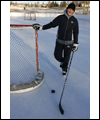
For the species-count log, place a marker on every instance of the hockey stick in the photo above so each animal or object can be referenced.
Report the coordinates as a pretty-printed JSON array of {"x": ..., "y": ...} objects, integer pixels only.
[{"x": 60, "y": 107}]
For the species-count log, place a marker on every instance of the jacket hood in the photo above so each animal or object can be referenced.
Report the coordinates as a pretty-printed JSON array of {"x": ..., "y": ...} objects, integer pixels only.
[{"x": 65, "y": 12}]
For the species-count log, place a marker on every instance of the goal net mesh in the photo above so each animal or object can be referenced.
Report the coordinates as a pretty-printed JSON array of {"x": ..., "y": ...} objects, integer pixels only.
[
  {"x": 23, "y": 66},
  {"x": 29, "y": 16}
]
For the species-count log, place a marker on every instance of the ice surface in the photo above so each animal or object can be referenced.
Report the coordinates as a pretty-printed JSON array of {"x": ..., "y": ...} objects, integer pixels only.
[{"x": 41, "y": 103}]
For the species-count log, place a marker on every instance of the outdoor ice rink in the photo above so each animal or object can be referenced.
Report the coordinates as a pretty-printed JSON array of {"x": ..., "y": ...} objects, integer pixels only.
[{"x": 41, "y": 103}]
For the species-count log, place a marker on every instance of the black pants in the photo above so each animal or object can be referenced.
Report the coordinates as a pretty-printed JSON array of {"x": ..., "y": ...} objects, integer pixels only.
[{"x": 62, "y": 53}]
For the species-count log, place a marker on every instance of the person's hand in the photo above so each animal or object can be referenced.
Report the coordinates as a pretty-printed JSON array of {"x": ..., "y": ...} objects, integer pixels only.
[
  {"x": 37, "y": 26},
  {"x": 75, "y": 47}
]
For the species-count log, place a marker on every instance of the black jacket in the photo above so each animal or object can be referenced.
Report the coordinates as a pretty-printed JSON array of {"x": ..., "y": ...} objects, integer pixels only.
[{"x": 67, "y": 27}]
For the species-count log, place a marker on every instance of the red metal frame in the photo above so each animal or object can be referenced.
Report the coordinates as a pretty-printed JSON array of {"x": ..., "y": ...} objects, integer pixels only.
[
  {"x": 16, "y": 25},
  {"x": 37, "y": 53}
]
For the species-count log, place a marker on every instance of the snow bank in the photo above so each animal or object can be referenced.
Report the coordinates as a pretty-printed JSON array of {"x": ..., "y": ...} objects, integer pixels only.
[{"x": 18, "y": 14}]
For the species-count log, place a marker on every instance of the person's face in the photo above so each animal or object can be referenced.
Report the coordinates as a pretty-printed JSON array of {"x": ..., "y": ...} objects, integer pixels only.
[{"x": 70, "y": 11}]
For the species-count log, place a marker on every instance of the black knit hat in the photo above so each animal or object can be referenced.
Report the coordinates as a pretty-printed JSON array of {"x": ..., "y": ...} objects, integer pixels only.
[{"x": 72, "y": 6}]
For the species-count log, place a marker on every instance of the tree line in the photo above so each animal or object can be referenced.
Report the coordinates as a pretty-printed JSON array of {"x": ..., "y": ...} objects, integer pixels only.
[{"x": 53, "y": 4}]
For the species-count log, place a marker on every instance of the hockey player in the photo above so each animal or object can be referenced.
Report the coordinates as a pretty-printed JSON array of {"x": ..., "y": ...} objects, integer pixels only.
[{"x": 67, "y": 35}]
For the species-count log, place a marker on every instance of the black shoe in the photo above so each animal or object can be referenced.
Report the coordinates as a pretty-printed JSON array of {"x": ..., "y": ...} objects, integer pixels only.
[{"x": 64, "y": 71}]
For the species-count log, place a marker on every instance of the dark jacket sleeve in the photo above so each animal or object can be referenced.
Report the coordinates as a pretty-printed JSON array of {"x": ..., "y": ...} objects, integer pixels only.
[
  {"x": 54, "y": 23},
  {"x": 76, "y": 32}
]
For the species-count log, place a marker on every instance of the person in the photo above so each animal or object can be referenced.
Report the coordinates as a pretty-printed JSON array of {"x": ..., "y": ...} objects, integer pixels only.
[{"x": 67, "y": 36}]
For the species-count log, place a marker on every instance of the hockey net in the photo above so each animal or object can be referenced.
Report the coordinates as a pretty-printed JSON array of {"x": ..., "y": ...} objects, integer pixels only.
[
  {"x": 29, "y": 16},
  {"x": 25, "y": 74}
]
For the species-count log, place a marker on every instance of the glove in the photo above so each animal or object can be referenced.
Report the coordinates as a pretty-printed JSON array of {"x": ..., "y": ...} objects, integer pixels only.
[
  {"x": 37, "y": 26},
  {"x": 75, "y": 47}
]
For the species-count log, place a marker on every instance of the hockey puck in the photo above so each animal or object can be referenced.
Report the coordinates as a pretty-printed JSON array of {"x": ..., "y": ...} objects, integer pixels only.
[{"x": 53, "y": 91}]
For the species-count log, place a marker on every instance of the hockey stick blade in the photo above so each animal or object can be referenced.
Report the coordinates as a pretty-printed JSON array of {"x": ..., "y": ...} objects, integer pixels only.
[{"x": 60, "y": 108}]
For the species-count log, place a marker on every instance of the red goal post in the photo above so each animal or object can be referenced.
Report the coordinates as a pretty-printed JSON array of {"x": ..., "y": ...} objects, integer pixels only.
[{"x": 24, "y": 87}]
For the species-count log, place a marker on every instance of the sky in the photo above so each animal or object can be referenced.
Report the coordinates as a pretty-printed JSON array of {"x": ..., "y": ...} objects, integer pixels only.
[{"x": 35, "y": 1}]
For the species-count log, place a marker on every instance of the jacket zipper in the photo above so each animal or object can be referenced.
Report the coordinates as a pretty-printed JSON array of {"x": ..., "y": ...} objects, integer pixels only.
[{"x": 66, "y": 29}]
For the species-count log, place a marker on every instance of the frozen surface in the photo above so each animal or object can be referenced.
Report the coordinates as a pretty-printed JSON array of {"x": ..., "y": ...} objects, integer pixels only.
[{"x": 41, "y": 103}]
